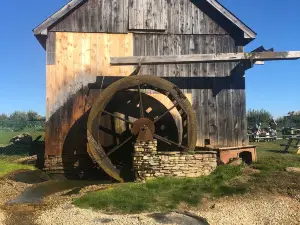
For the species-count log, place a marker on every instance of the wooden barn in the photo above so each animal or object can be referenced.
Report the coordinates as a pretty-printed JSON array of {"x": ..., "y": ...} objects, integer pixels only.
[{"x": 80, "y": 40}]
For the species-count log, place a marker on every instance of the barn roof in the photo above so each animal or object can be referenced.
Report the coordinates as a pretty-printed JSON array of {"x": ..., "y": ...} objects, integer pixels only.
[{"x": 42, "y": 29}]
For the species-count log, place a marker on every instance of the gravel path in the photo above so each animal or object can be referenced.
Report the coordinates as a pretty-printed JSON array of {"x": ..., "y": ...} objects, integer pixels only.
[
  {"x": 2, "y": 217},
  {"x": 10, "y": 189},
  {"x": 67, "y": 214},
  {"x": 252, "y": 209},
  {"x": 237, "y": 210}
]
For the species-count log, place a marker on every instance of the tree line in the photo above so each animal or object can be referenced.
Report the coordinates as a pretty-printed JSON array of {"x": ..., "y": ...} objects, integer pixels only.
[
  {"x": 22, "y": 116},
  {"x": 263, "y": 116}
]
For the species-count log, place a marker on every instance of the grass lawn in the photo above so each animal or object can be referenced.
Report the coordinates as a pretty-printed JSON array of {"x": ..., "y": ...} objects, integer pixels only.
[
  {"x": 167, "y": 193},
  {"x": 7, "y": 135},
  {"x": 7, "y": 167},
  {"x": 272, "y": 163}
]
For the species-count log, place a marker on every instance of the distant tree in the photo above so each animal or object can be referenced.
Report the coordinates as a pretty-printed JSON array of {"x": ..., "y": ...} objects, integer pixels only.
[
  {"x": 19, "y": 116},
  {"x": 258, "y": 116},
  {"x": 292, "y": 120},
  {"x": 3, "y": 117},
  {"x": 33, "y": 116}
]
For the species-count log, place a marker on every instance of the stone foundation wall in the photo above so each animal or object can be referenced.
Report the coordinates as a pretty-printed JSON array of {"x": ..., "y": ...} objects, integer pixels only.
[
  {"x": 148, "y": 162},
  {"x": 54, "y": 164}
]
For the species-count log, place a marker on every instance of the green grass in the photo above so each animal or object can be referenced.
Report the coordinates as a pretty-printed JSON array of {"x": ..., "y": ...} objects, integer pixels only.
[
  {"x": 167, "y": 193},
  {"x": 272, "y": 164},
  {"x": 7, "y": 167},
  {"x": 271, "y": 159},
  {"x": 162, "y": 194},
  {"x": 6, "y": 136}
]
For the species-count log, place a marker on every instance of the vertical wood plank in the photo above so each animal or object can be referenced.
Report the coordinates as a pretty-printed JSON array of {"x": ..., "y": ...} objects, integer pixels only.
[
  {"x": 125, "y": 16},
  {"x": 117, "y": 16},
  {"x": 220, "y": 98},
  {"x": 100, "y": 8},
  {"x": 106, "y": 15},
  {"x": 100, "y": 57},
  {"x": 212, "y": 111},
  {"x": 94, "y": 15},
  {"x": 181, "y": 17},
  {"x": 229, "y": 109},
  {"x": 131, "y": 14},
  {"x": 94, "y": 58},
  {"x": 50, "y": 48}
]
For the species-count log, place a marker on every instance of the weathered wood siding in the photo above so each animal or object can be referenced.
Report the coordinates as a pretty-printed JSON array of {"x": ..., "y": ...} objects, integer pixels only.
[
  {"x": 147, "y": 15},
  {"x": 122, "y": 16},
  {"x": 73, "y": 61},
  {"x": 80, "y": 45},
  {"x": 218, "y": 92},
  {"x": 77, "y": 58},
  {"x": 107, "y": 16}
]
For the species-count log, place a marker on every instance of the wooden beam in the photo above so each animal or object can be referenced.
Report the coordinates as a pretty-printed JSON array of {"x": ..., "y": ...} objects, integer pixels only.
[
  {"x": 259, "y": 63},
  {"x": 204, "y": 58},
  {"x": 56, "y": 16}
]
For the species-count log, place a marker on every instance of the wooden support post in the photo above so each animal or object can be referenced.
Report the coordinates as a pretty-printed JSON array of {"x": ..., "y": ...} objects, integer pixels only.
[{"x": 287, "y": 146}]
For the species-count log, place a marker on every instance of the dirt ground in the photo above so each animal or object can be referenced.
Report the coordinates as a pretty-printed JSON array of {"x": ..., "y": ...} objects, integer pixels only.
[{"x": 259, "y": 208}]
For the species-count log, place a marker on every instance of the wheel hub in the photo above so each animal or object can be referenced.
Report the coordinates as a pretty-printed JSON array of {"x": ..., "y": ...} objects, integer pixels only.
[{"x": 144, "y": 129}]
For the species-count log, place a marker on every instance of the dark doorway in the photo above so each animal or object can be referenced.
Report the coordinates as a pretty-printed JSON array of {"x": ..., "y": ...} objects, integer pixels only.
[{"x": 246, "y": 157}]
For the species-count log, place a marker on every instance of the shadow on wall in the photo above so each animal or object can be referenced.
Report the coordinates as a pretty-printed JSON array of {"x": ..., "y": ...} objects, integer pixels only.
[
  {"x": 76, "y": 161},
  {"x": 68, "y": 138},
  {"x": 234, "y": 81}
]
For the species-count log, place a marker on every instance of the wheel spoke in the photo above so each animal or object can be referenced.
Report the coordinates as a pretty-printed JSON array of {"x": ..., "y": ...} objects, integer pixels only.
[
  {"x": 141, "y": 103},
  {"x": 108, "y": 131},
  {"x": 169, "y": 141},
  {"x": 119, "y": 146},
  {"x": 165, "y": 113},
  {"x": 118, "y": 117}
]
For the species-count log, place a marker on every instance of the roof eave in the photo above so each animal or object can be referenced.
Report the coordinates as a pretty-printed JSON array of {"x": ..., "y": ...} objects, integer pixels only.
[
  {"x": 248, "y": 32},
  {"x": 57, "y": 16}
]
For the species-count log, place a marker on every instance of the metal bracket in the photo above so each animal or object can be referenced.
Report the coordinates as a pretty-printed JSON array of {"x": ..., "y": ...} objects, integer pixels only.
[{"x": 137, "y": 69}]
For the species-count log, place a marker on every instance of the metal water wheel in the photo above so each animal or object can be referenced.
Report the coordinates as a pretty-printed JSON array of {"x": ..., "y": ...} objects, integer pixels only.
[{"x": 144, "y": 125}]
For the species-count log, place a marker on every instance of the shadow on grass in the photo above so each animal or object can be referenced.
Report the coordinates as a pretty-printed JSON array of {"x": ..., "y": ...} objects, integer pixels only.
[{"x": 279, "y": 151}]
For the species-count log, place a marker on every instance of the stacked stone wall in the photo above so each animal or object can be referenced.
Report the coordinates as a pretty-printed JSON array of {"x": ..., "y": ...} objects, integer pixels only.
[{"x": 149, "y": 163}]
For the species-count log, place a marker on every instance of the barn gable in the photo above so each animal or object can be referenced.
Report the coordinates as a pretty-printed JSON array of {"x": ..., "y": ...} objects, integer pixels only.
[
  {"x": 82, "y": 37},
  {"x": 123, "y": 16}
]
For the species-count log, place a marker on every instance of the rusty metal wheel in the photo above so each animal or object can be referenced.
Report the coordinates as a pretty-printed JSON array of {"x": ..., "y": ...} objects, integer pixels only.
[{"x": 143, "y": 127}]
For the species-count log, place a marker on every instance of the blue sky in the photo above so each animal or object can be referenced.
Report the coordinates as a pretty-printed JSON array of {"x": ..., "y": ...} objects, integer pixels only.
[{"x": 274, "y": 86}]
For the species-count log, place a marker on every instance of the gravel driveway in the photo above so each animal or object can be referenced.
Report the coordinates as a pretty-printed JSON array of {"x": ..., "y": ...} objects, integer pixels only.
[
  {"x": 252, "y": 209},
  {"x": 67, "y": 214},
  {"x": 238, "y": 210},
  {"x": 2, "y": 217}
]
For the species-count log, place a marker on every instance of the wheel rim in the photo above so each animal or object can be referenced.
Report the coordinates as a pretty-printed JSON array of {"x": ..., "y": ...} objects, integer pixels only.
[{"x": 189, "y": 125}]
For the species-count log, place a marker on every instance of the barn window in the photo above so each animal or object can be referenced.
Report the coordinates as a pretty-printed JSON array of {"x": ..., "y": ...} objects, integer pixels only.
[{"x": 147, "y": 15}]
